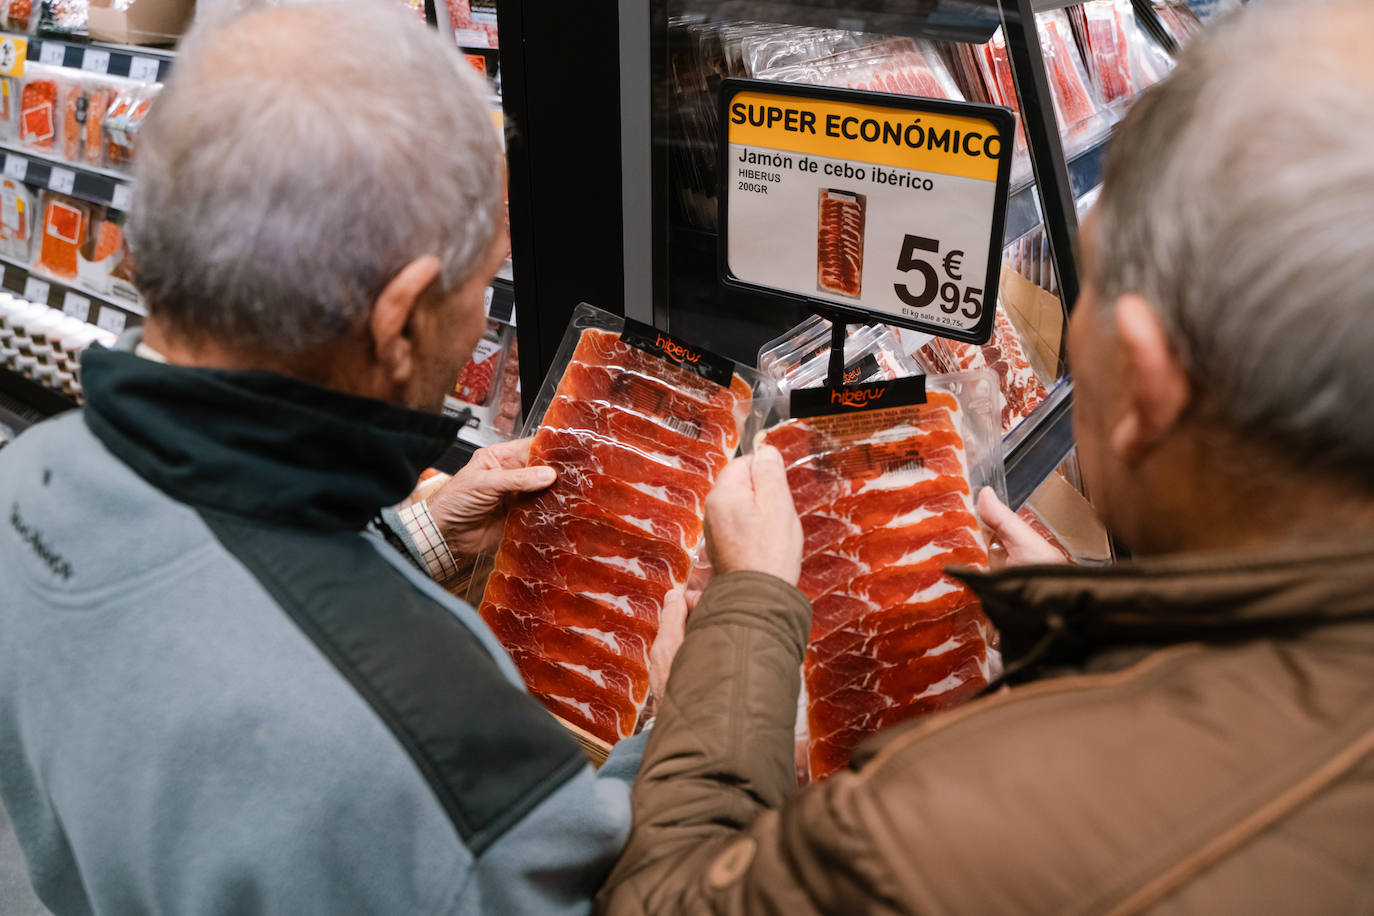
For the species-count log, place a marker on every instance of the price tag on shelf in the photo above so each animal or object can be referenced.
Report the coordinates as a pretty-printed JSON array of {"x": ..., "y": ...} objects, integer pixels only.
[
  {"x": 121, "y": 197},
  {"x": 36, "y": 290},
  {"x": 61, "y": 180},
  {"x": 143, "y": 69},
  {"x": 76, "y": 305},
  {"x": 95, "y": 60},
  {"x": 110, "y": 319},
  {"x": 864, "y": 205},
  {"x": 52, "y": 53},
  {"x": 13, "y": 52},
  {"x": 16, "y": 167}
]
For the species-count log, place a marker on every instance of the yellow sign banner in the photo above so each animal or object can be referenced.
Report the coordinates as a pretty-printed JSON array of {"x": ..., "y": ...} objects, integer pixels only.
[{"x": 924, "y": 141}]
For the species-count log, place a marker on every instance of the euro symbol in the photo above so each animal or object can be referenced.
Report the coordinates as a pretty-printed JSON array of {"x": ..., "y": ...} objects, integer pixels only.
[{"x": 954, "y": 264}]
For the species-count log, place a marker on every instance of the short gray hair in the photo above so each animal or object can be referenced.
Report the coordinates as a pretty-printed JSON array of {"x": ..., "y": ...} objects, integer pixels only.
[
  {"x": 1238, "y": 198},
  {"x": 298, "y": 159}
]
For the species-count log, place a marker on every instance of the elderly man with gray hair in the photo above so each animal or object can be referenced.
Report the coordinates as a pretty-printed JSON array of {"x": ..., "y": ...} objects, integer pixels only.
[
  {"x": 1209, "y": 745},
  {"x": 221, "y": 690}
]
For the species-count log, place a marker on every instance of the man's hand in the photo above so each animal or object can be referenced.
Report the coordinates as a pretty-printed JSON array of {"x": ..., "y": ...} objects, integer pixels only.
[
  {"x": 470, "y": 508},
  {"x": 672, "y": 629},
  {"x": 1022, "y": 545},
  {"x": 751, "y": 523}
]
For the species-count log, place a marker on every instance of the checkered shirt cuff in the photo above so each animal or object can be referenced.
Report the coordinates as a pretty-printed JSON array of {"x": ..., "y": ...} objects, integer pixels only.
[{"x": 434, "y": 553}]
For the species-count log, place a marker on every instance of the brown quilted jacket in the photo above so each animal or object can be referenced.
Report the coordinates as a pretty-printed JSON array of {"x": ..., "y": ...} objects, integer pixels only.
[{"x": 1213, "y": 753}]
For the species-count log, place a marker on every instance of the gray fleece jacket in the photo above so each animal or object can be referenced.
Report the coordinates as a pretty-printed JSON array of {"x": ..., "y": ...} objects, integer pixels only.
[{"x": 221, "y": 691}]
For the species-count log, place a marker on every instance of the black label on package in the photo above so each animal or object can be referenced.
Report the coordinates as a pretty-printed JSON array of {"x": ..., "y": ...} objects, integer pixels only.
[
  {"x": 860, "y": 370},
  {"x": 820, "y": 402},
  {"x": 704, "y": 363}
]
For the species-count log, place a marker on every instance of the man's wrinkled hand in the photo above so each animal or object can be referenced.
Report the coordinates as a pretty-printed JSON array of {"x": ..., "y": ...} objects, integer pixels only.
[
  {"x": 751, "y": 523},
  {"x": 1023, "y": 547},
  {"x": 470, "y": 508}
]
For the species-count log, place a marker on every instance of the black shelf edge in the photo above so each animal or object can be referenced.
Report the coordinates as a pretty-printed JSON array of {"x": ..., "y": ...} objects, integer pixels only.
[
  {"x": 99, "y": 310},
  {"x": 1023, "y": 206},
  {"x": 42, "y": 401},
  {"x": 1047, "y": 439},
  {"x": 942, "y": 20},
  {"x": 96, "y": 186},
  {"x": 99, "y": 58}
]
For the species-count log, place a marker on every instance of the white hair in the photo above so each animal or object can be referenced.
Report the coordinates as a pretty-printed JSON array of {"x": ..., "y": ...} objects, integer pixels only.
[
  {"x": 298, "y": 158},
  {"x": 1238, "y": 198}
]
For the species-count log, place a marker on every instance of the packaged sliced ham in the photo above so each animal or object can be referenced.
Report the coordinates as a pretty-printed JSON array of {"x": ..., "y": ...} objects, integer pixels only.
[
  {"x": 508, "y": 401},
  {"x": 66, "y": 223},
  {"x": 1020, "y": 389},
  {"x": 884, "y": 476},
  {"x": 638, "y": 424},
  {"x": 477, "y": 380},
  {"x": 83, "y": 117},
  {"x": 474, "y": 23},
  {"x": 1109, "y": 54},
  {"x": 38, "y": 118}
]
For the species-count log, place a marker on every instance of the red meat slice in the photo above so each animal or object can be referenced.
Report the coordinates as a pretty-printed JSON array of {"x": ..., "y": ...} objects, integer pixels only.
[
  {"x": 634, "y": 429},
  {"x": 686, "y": 487},
  {"x": 650, "y": 397},
  {"x": 647, "y": 558}
]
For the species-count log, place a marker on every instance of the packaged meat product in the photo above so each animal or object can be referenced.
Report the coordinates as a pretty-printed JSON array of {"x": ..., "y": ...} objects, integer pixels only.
[
  {"x": 83, "y": 111},
  {"x": 67, "y": 18},
  {"x": 1021, "y": 389},
  {"x": 122, "y": 122},
  {"x": 38, "y": 120},
  {"x": 9, "y": 108},
  {"x": 20, "y": 15},
  {"x": 794, "y": 347},
  {"x": 840, "y": 242},
  {"x": 474, "y": 23},
  {"x": 1074, "y": 104},
  {"x": 871, "y": 353},
  {"x": 477, "y": 379},
  {"x": 1109, "y": 57},
  {"x": 16, "y": 219},
  {"x": 638, "y": 424},
  {"x": 508, "y": 400},
  {"x": 885, "y": 489},
  {"x": 65, "y": 224}
]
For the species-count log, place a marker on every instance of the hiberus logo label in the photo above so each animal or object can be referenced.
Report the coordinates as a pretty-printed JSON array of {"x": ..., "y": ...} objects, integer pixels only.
[
  {"x": 701, "y": 362},
  {"x": 818, "y": 402},
  {"x": 677, "y": 351},
  {"x": 856, "y": 397}
]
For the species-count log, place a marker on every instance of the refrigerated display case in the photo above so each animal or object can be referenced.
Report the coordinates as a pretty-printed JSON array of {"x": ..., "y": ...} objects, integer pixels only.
[{"x": 641, "y": 234}]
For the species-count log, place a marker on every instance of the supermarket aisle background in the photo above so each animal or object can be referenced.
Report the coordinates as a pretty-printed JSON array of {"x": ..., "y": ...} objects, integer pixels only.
[{"x": 16, "y": 897}]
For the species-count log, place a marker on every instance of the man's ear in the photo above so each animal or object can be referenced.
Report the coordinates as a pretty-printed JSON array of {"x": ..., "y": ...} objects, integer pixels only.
[
  {"x": 1156, "y": 387},
  {"x": 391, "y": 317}
]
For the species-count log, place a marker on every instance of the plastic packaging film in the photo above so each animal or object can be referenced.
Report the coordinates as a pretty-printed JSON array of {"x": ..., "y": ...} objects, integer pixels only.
[
  {"x": 886, "y": 498},
  {"x": 576, "y": 587}
]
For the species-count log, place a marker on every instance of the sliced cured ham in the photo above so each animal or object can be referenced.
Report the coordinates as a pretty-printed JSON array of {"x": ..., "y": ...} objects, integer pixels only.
[
  {"x": 840, "y": 243},
  {"x": 583, "y": 568},
  {"x": 1021, "y": 389},
  {"x": 886, "y": 505}
]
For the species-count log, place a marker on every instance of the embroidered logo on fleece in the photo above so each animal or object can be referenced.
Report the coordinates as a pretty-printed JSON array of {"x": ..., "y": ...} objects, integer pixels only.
[{"x": 31, "y": 537}]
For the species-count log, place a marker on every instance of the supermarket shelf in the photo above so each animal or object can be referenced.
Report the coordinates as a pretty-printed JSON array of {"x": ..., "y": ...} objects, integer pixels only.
[
  {"x": 100, "y": 186},
  {"x": 73, "y": 298},
  {"x": 1036, "y": 447},
  {"x": 147, "y": 65},
  {"x": 29, "y": 401},
  {"x": 947, "y": 20},
  {"x": 1023, "y": 206}
]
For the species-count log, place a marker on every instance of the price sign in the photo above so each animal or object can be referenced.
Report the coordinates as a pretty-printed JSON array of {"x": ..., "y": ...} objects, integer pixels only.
[
  {"x": 52, "y": 53},
  {"x": 61, "y": 180},
  {"x": 16, "y": 167},
  {"x": 36, "y": 290},
  {"x": 111, "y": 320},
  {"x": 76, "y": 305},
  {"x": 866, "y": 205},
  {"x": 95, "y": 61},
  {"x": 121, "y": 197},
  {"x": 13, "y": 52},
  {"x": 143, "y": 69}
]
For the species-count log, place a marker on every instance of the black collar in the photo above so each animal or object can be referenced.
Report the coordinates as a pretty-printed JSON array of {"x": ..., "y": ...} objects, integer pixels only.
[{"x": 258, "y": 444}]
